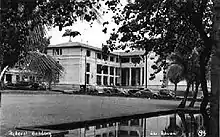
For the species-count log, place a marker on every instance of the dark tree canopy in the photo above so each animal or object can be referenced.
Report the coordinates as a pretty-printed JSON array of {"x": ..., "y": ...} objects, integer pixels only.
[{"x": 23, "y": 23}]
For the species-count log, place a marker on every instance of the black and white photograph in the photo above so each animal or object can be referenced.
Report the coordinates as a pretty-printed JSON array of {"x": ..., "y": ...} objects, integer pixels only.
[{"x": 109, "y": 68}]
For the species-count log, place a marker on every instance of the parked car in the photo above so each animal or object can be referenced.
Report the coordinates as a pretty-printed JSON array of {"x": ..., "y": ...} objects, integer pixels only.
[
  {"x": 25, "y": 85},
  {"x": 132, "y": 92},
  {"x": 166, "y": 94},
  {"x": 146, "y": 93},
  {"x": 118, "y": 91}
]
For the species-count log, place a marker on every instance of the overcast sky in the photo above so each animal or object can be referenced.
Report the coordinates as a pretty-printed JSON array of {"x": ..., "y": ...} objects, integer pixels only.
[{"x": 89, "y": 35}]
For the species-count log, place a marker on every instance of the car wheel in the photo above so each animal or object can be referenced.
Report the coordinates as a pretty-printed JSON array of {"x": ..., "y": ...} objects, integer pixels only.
[{"x": 155, "y": 96}]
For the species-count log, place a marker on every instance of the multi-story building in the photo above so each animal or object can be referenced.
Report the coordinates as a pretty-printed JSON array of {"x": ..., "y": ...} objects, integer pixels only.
[{"x": 83, "y": 64}]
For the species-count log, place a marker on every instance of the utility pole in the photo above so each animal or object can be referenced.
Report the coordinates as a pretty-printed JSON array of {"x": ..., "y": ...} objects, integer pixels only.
[
  {"x": 146, "y": 71},
  {"x": 85, "y": 75},
  {"x": 215, "y": 75}
]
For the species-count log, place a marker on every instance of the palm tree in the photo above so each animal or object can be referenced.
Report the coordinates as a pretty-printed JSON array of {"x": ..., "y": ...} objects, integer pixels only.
[
  {"x": 70, "y": 33},
  {"x": 190, "y": 72},
  {"x": 44, "y": 65}
]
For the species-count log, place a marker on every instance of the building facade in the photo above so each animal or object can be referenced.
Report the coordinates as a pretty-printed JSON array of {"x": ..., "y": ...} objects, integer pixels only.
[{"x": 84, "y": 64}]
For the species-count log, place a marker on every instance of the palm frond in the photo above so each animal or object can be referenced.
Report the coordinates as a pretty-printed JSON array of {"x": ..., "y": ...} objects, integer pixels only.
[
  {"x": 71, "y": 33},
  {"x": 43, "y": 64}
]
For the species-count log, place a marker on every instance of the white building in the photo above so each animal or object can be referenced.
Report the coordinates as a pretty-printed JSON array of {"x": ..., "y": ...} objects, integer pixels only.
[{"x": 84, "y": 64}]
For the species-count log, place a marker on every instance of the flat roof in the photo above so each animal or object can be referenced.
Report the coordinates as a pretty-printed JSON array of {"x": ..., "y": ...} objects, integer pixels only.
[{"x": 78, "y": 44}]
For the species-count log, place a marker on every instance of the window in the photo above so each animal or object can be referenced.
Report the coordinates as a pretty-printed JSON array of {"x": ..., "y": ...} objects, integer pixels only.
[
  {"x": 111, "y": 70},
  {"x": 124, "y": 123},
  {"x": 118, "y": 71},
  {"x": 99, "y": 80},
  {"x": 31, "y": 78},
  {"x": 117, "y": 59},
  {"x": 17, "y": 78},
  {"x": 97, "y": 126},
  {"x": 87, "y": 67},
  {"x": 57, "y": 51},
  {"x": 99, "y": 69},
  {"x": 111, "y": 134},
  {"x": 99, "y": 55},
  {"x": 104, "y": 135},
  {"x": 112, "y": 58},
  {"x": 86, "y": 127},
  {"x": 136, "y": 60},
  {"x": 104, "y": 125},
  {"x": 9, "y": 77},
  {"x": 88, "y": 53},
  {"x": 111, "y": 80},
  {"x": 87, "y": 78},
  {"x": 117, "y": 81},
  {"x": 111, "y": 124},
  {"x": 134, "y": 133},
  {"x": 125, "y": 60},
  {"x": 135, "y": 122},
  {"x": 105, "y": 80},
  {"x": 105, "y": 69}
]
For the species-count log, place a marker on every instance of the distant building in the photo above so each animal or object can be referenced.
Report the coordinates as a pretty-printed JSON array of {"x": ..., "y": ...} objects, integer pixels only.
[{"x": 83, "y": 64}]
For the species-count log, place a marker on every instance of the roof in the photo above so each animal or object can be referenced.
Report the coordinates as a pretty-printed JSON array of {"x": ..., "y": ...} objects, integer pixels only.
[
  {"x": 73, "y": 45},
  {"x": 131, "y": 53},
  {"x": 78, "y": 44}
]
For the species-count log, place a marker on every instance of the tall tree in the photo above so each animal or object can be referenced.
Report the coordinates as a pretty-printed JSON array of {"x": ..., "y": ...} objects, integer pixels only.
[
  {"x": 70, "y": 33},
  {"x": 164, "y": 26},
  {"x": 21, "y": 20}
]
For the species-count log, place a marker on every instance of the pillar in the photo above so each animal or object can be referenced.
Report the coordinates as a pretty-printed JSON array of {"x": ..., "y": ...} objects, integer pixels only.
[
  {"x": 141, "y": 76},
  {"x": 130, "y": 76},
  {"x": 108, "y": 75}
]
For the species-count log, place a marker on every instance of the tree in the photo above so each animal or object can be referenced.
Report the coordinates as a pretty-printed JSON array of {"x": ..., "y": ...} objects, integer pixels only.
[
  {"x": 44, "y": 65},
  {"x": 166, "y": 26},
  {"x": 70, "y": 33},
  {"x": 23, "y": 24},
  {"x": 174, "y": 74}
]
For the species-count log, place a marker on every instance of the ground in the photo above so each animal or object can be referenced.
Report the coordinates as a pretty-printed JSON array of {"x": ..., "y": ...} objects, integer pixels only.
[{"x": 18, "y": 110}]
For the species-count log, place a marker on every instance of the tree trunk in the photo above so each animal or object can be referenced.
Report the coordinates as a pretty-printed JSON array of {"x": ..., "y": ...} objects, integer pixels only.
[
  {"x": 175, "y": 87},
  {"x": 215, "y": 78},
  {"x": 1, "y": 81}
]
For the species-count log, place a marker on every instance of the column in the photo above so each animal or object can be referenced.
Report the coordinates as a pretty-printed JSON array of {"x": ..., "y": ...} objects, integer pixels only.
[
  {"x": 141, "y": 76},
  {"x": 129, "y": 76},
  {"x": 108, "y": 75},
  {"x": 114, "y": 76}
]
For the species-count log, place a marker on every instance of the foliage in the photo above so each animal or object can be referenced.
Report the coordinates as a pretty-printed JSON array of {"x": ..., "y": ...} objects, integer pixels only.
[
  {"x": 150, "y": 25},
  {"x": 174, "y": 73},
  {"x": 43, "y": 64},
  {"x": 168, "y": 26},
  {"x": 20, "y": 19},
  {"x": 70, "y": 33}
]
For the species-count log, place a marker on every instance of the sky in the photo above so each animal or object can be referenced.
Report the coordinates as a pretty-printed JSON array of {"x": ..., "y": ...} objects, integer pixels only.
[{"x": 89, "y": 35}]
